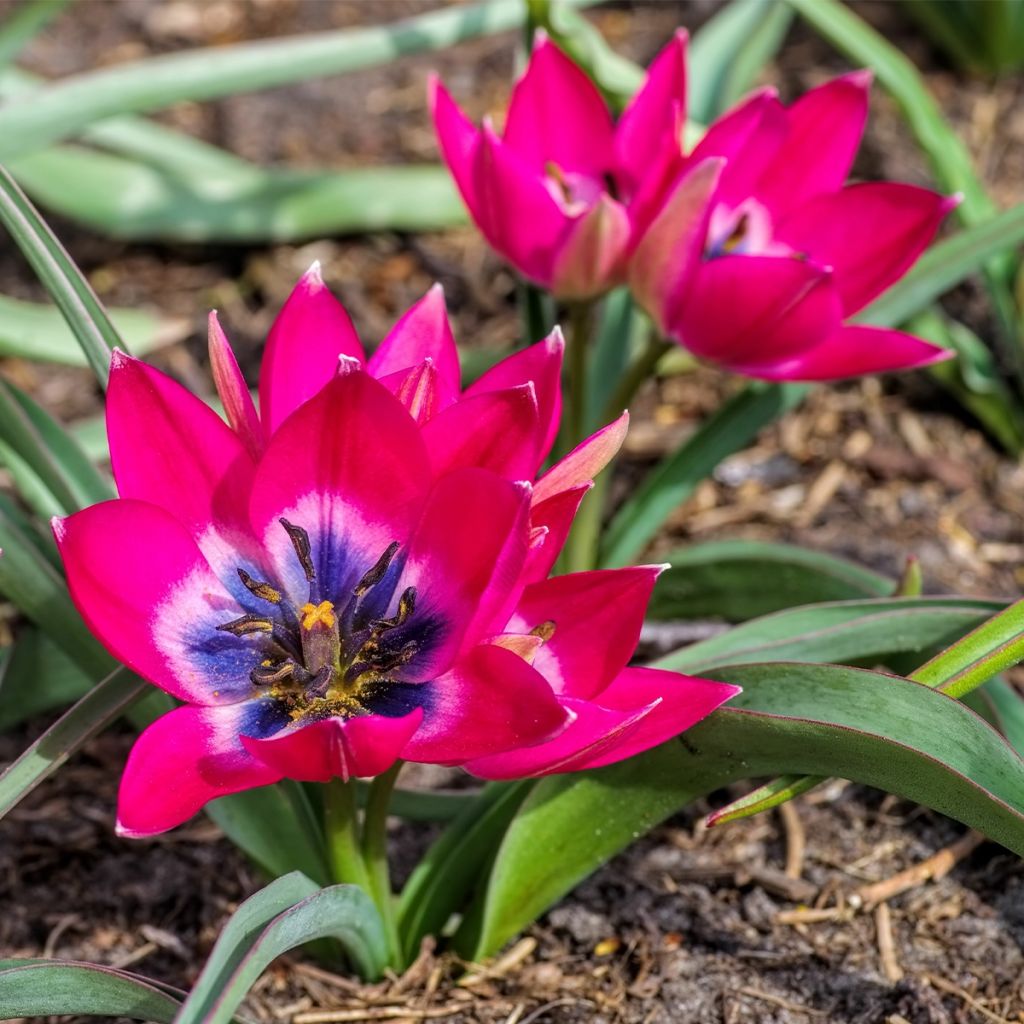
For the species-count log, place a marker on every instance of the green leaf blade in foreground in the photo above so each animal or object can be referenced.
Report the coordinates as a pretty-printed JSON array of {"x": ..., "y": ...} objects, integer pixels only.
[
  {"x": 36, "y": 677},
  {"x": 277, "y": 919},
  {"x": 841, "y": 631},
  {"x": 880, "y": 730},
  {"x": 726, "y": 579},
  {"x": 62, "y": 279},
  {"x": 674, "y": 479},
  {"x": 97, "y": 709},
  {"x": 62, "y": 987}
]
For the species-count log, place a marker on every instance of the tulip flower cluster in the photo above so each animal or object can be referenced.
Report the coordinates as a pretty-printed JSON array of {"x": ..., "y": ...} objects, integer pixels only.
[
  {"x": 357, "y": 573},
  {"x": 748, "y": 250}
]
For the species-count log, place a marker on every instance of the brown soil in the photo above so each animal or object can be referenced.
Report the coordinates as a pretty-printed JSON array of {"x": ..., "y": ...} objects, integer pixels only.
[{"x": 686, "y": 925}]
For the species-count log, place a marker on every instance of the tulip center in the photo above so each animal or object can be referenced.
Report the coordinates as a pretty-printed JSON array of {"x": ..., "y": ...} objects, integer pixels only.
[
  {"x": 745, "y": 230},
  {"x": 574, "y": 192},
  {"x": 332, "y": 654}
]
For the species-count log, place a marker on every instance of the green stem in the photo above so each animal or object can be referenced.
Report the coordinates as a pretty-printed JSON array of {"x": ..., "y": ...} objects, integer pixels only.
[
  {"x": 575, "y": 418},
  {"x": 636, "y": 373},
  {"x": 375, "y": 854},
  {"x": 341, "y": 828}
]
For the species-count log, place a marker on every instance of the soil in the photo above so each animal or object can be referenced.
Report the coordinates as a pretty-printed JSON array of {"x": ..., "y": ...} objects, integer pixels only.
[{"x": 687, "y": 925}]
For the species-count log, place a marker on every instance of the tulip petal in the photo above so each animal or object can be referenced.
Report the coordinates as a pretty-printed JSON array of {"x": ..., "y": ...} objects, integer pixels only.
[
  {"x": 310, "y": 334},
  {"x": 491, "y": 701},
  {"x": 541, "y": 365},
  {"x": 605, "y": 603},
  {"x": 348, "y": 467},
  {"x": 181, "y": 762},
  {"x": 870, "y": 234},
  {"x": 145, "y": 589},
  {"x": 756, "y": 310},
  {"x": 422, "y": 333},
  {"x": 232, "y": 390},
  {"x": 465, "y": 561},
  {"x": 591, "y": 258},
  {"x": 558, "y": 116},
  {"x": 825, "y": 127},
  {"x": 417, "y": 389},
  {"x": 649, "y": 124},
  {"x": 550, "y": 523},
  {"x": 852, "y": 351},
  {"x": 494, "y": 430},
  {"x": 172, "y": 450},
  {"x": 584, "y": 462},
  {"x": 459, "y": 140},
  {"x": 359, "y": 747}
]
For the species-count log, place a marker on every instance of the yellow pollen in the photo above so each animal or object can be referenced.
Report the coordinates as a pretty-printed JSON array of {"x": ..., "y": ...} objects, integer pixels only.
[{"x": 321, "y": 614}]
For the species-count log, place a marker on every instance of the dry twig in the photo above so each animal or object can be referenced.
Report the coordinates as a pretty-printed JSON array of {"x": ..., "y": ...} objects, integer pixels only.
[
  {"x": 886, "y": 946},
  {"x": 796, "y": 840}
]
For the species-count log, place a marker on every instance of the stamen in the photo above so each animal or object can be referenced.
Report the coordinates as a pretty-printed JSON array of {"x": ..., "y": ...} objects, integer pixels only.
[
  {"x": 300, "y": 541},
  {"x": 247, "y": 624},
  {"x": 321, "y": 614},
  {"x": 374, "y": 575},
  {"x": 381, "y": 662},
  {"x": 546, "y": 630},
  {"x": 268, "y": 676},
  {"x": 320, "y": 683},
  {"x": 738, "y": 234},
  {"x": 264, "y": 591},
  {"x": 406, "y": 606},
  {"x": 555, "y": 173}
]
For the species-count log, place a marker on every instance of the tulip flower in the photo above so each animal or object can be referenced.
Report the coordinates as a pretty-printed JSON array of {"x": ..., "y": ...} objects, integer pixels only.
[
  {"x": 760, "y": 254},
  {"x": 564, "y": 194},
  {"x": 347, "y": 576}
]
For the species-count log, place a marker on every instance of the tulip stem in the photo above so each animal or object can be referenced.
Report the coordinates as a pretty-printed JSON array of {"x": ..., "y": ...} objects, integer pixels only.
[
  {"x": 341, "y": 826},
  {"x": 375, "y": 854},
  {"x": 636, "y": 373},
  {"x": 580, "y": 324}
]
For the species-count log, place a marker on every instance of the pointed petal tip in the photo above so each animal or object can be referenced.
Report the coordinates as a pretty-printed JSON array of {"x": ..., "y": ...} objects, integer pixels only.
[
  {"x": 556, "y": 339},
  {"x": 541, "y": 39},
  {"x": 119, "y": 359},
  {"x": 951, "y": 202},
  {"x": 313, "y": 278},
  {"x": 58, "y": 524},
  {"x": 863, "y": 78}
]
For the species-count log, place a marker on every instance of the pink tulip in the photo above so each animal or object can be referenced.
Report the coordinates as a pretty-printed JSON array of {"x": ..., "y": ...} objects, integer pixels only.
[
  {"x": 356, "y": 573},
  {"x": 760, "y": 254},
  {"x": 565, "y": 192}
]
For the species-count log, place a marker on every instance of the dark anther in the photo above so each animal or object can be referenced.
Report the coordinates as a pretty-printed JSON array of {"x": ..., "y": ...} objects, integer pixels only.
[
  {"x": 247, "y": 624},
  {"x": 382, "y": 661},
  {"x": 374, "y": 575},
  {"x": 300, "y": 541},
  {"x": 737, "y": 235},
  {"x": 320, "y": 683},
  {"x": 264, "y": 591},
  {"x": 271, "y": 674},
  {"x": 546, "y": 630},
  {"x": 406, "y": 606}
]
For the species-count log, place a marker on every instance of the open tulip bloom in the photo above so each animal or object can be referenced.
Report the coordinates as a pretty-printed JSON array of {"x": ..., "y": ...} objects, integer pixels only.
[
  {"x": 357, "y": 573},
  {"x": 749, "y": 250}
]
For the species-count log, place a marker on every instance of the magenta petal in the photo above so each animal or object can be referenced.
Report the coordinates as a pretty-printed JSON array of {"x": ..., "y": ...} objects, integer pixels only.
[
  {"x": 557, "y": 116},
  {"x": 869, "y": 234},
  {"x": 495, "y": 430},
  {"x": 180, "y": 763},
  {"x": 592, "y": 256},
  {"x": 516, "y": 211},
  {"x": 418, "y": 389},
  {"x": 458, "y": 138},
  {"x": 310, "y": 334},
  {"x": 606, "y": 603},
  {"x": 466, "y": 559},
  {"x": 649, "y": 125},
  {"x": 331, "y": 748},
  {"x": 349, "y": 464},
  {"x": 232, "y": 390},
  {"x": 663, "y": 266},
  {"x": 422, "y": 333},
  {"x": 756, "y": 310},
  {"x": 144, "y": 588},
  {"x": 852, "y": 351},
  {"x": 824, "y": 130},
  {"x": 490, "y": 701},
  {"x": 540, "y": 365},
  {"x": 550, "y": 522},
  {"x": 584, "y": 462},
  {"x": 172, "y": 450}
]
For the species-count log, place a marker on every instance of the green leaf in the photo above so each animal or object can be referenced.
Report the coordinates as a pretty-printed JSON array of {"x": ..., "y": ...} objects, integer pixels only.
[
  {"x": 33, "y": 331},
  {"x": 617, "y": 337},
  {"x": 730, "y": 428},
  {"x": 97, "y": 709},
  {"x": 36, "y": 677},
  {"x": 295, "y": 842},
  {"x": 1008, "y": 710},
  {"x": 764, "y": 798},
  {"x": 62, "y": 279},
  {"x": 61, "y": 987},
  {"x": 729, "y": 50},
  {"x": 52, "y": 454},
  {"x": 27, "y": 21},
  {"x": 454, "y": 864},
  {"x": 725, "y": 579},
  {"x": 944, "y": 265},
  {"x": 876, "y": 729},
  {"x": 66, "y": 107},
  {"x": 843, "y": 631},
  {"x": 289, "y": 912}
]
